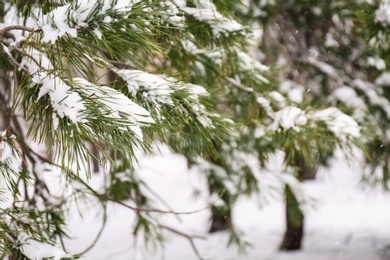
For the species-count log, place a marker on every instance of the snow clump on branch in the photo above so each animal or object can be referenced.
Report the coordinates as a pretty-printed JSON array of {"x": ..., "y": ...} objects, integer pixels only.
[
  {"x": 289, "y": 117},
  {"x": 67, "y": 19},
  {"x": 382, "y": 15},
  {"x": 342, "y": 125}
]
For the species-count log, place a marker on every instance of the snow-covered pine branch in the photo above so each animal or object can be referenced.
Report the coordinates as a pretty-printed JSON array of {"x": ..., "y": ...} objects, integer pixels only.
[
  {"x": 103, "y": 80},
  {"x": 59, "y": 110}
]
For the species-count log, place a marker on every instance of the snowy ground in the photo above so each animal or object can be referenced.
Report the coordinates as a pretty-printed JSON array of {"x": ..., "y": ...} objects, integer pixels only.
[{"x": 346, "y": 223}]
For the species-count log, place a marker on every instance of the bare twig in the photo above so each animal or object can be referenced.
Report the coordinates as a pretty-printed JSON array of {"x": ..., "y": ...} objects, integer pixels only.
[
  {"x": 189, "y": 237},
  {"x": 4, "y": 31},
  {"x": 99, "y": 234},
  {"x": 103, "y": 196},
  {"x": 63, "y": 244},
  {"x": 15, "y": 27},
  {"x": 6, "y": 102},
  {"x": 160, "y": 199},
  {"x": 238, "y": 84},
  {"x": 4, "y": 49},
  {"x": 152, "y": 210}
]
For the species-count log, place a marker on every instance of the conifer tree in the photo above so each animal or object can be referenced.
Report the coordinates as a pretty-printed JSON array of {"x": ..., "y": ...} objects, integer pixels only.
[
  {"x": 179, "y": 73},
  {"x": 329, "y": 53}
]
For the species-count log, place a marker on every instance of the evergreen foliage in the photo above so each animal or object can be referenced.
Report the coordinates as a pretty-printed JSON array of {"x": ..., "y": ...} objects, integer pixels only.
[
  {"x": 86, "y": 82},
  {"x": 331, "y": 53}
]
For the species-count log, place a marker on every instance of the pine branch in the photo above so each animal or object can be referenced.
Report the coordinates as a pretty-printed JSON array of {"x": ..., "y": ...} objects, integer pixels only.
[{"x": 103, "y": 197}]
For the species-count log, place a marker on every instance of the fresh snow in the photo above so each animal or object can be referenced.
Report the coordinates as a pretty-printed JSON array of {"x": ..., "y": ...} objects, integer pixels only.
[
  {"x": 160, "y": 88},
  {"x": 348, "y": 96},
  {"x": 383, "y": 79},
  {"x": 65, "y": 101},
  {"x": 342, "y": 125},
  {"x": 372, "y": 95},
  {"x": 116, "y": 105},
  {"x": 67, "y": 19},
  {"x": 206, "y": 12},
  {"x": 294, "y": 91},
  {"x": 344, "y": 219},
  {"x": 37, "y": 251},
  {"x": 278, "y": 98},
  {"x": 382, "y": 15},
  {"x": 249, "y": 63},
  {"x": 153, "y": 86},
  {"x": 376, "y": 62},
  {"x": 7, "y": 155},
  {"x": 56, "y": 24},
  {"x": 289, "y": 117}
]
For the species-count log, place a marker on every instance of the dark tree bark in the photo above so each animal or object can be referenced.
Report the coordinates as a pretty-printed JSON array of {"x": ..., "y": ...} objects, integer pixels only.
[
  {"x": 221, "y": 216},
  {"x": 294, "y": 216},
  {"x": 220, "y": 221},
  {"x": 294, "y": 223}
]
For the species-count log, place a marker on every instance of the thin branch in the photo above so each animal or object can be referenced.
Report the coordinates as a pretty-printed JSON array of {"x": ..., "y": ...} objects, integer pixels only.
[
  {"x": 63, "y": 244},
  {"x": 4, "y": 49},
  {"x": 99, "y": 234},
  {"x": 238, "y": 85},
  {"x": 160, "y": 199},
  {"x": 6, "y": 104},
  {"x": 104, "y": 197},
  {"x": 151, "y": 210},
  {"x": 324, "y": 68},
  {"x": 15, "y": 27},
  {"x": 30, "y": 57},
  {"x": 188, "y": 237}
]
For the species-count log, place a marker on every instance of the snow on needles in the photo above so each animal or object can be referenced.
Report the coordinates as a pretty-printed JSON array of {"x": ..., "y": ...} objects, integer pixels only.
[
  {"x": 289, "y": 117},
  {"x": 56, "y": 24},
  {"x": 7, "y": 155},
  {"x": 339, "y": 123},
  {"x": 155, "y": 87},
  {"x": 382, "y": 15},
  {"x": 383, "y": 80},
  {"x": 160, "y": 88},
  {"x": 37, "y": 250},
  {"x": 349, "y": 97},
  {"x": 342, "y": 125},
  {"x": 64, "y": 101},
  {"x": 207, "y": 12},
  {"x": 69, "y": 99},
  {"x": 116, "y": 105},
  {"x": 67, "y": 19}
]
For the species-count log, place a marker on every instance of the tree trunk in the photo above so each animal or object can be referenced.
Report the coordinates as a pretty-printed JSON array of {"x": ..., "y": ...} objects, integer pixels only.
[
  {"x": 294, "y": 223},
  {"x": 294, "y": 216},
  {"x": 221, "y": 216},
  {"x": 305, "y": 172},
  {"x": 221, "y": 219}
]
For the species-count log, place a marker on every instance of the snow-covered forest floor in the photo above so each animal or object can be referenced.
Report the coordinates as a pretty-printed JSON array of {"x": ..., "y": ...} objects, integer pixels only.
[{"x": 343, "y": 220}]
